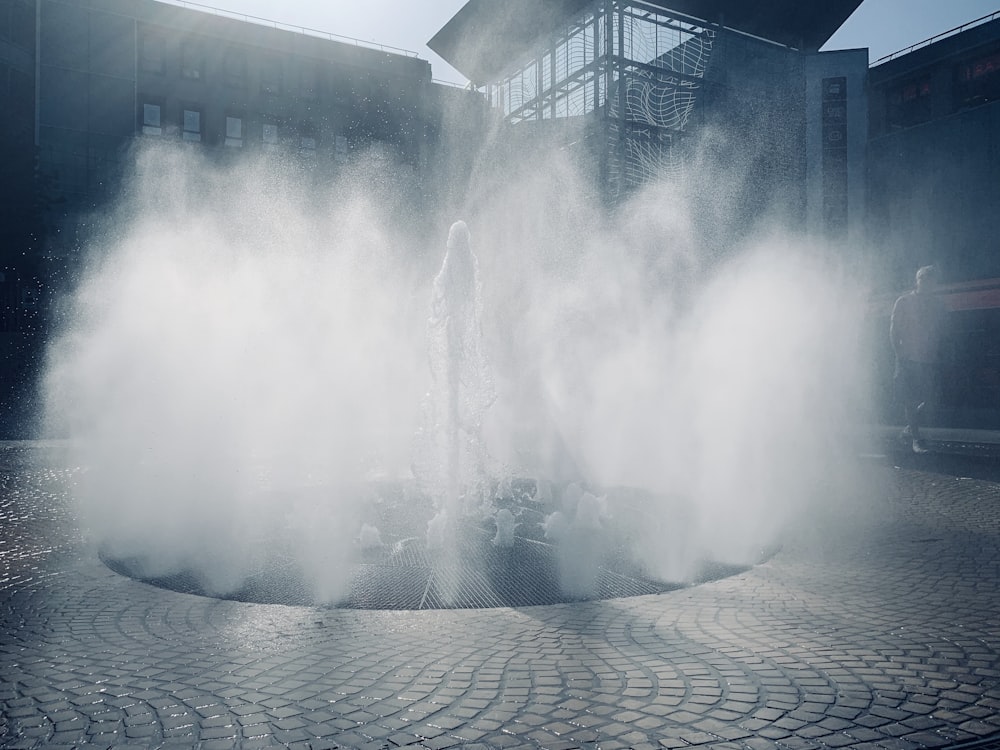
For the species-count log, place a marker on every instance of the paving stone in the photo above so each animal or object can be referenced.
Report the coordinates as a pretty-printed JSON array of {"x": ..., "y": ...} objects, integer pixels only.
[{"x": 853, "y": 638}]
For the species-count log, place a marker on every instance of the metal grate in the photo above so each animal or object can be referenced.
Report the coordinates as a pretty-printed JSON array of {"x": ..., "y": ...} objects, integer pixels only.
[
  {"x": 479, "y": 576},
  {"x": 473, "y": 573}
]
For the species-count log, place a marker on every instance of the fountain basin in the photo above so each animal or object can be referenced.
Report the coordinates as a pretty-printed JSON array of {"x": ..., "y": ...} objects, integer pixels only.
[{"x": 404, "y": 573}]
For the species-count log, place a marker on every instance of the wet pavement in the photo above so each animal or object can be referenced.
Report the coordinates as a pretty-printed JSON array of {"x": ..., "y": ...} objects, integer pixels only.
[{"x": 876, "y": 625}]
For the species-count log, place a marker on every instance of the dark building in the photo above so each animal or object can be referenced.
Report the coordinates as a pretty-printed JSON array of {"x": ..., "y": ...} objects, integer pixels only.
[
  {"x": 112, "y": 70},
  {"x": 643, "y": 89},
  {"x": 897, "y": 162},
  {"x": 899, "y": 158},
  {"x": 934, "y": 198},
  {"x": 934, "y": 157},
  {"x": 22, "y": 218},
  {"x": 82, "y": 80}
]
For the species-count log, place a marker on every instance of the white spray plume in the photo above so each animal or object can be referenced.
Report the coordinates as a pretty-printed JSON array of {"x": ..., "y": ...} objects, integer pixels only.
[
  {"x": 241, "y": 356},
  {"x": 506, "y": 528},
  {"x": 242, "y": 340}
]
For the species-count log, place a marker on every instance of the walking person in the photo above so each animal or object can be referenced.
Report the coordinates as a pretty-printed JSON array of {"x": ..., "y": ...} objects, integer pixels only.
[{"x": 915, "y": 331}]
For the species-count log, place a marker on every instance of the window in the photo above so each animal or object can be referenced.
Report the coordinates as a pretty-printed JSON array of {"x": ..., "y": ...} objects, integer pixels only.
[
  {"x": 270, "y": 76},
  {"x": 193, "y": 60},
  {"x": 151, "y": 54},
  {"x": 835, "y": 167},
  {"x": 909, "y": 103},
  {"x": 309, "y": 77},
  {"x": 151, "y": 119},
  {"x": 235, "y": 66},
  {"x": 834, "y": 89},
  {"x": 234, "y": 132},
  {"x": 982, "y": 68},
  {"x": 978, "y": 81},
  {"x": 307, "y": 145},
  {"x": 192, "y": 125},
  {"x": 269, "y": 135},
  {"x": 22, "y": 25},
  {"x": 340, "y": 149},
  {"x": 307, "y": 139}
]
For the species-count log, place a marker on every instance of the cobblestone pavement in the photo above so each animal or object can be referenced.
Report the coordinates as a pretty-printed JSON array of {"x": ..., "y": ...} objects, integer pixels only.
[{"x": 877, "y": 625}]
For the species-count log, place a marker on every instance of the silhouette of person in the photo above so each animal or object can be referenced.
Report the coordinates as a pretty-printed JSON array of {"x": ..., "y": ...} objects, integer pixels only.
[{"x": 915, "y": 331}]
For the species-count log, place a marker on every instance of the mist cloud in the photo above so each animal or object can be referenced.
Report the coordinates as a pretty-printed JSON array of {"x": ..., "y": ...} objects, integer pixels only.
[{"x": 246, "y": 351}]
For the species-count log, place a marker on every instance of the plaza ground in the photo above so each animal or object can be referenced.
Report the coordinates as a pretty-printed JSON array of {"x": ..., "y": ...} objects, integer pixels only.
[{"x": 876, "y": 625}]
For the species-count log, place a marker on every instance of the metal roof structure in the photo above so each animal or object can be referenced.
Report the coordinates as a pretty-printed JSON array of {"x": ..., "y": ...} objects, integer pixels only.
[{"x": 486, "y": 35}]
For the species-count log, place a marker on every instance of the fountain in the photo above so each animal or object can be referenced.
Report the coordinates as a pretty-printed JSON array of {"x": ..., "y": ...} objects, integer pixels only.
[
  {"x": 491, "y": 539},
  {"x": 450, "y": 451},
  {"x": 267, "y": 416}
]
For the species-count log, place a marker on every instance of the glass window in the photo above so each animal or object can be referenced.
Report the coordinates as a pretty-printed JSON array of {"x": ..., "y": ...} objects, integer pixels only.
[
  {"x": 270, "y": 75},
  {"x": 193, "y": 60},
  {"x": 270, "y": 134},
  {"x": 192, "y": 125},
  {"x": 22, "y": 25},
  {"x": 151, "y": 54},
  {"x": 234, "y": 132},
  {"x": 909, "y": 104},
  {"x": 235, "y": 66},
  {"x": 978, "y": 81},
  {"x": 151, "y": 119},
  {"x": 309, "y": 81}
]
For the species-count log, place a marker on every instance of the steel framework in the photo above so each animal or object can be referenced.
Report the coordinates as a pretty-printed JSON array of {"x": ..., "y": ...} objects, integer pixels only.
[{"x": 634, "y": 69}]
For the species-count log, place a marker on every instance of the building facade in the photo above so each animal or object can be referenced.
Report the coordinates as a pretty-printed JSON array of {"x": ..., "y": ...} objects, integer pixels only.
[
  {"x": 898, "y": 159},
  {"x": 934, "y": 156},
  {"x": 733, "y": 102},
  {"x": 934, "y": 198},
  {"x": 113, "y": 70},
  {"x": 895, "y": 162},
  {"x": 21, "y": 216},
  {"x": 82, "y": 81}
]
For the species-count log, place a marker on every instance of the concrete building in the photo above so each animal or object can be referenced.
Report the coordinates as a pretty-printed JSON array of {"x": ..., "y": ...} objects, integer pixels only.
[
  {"x": 896, "y": 161},
  {"x": 934, "y": 156},
  {"x": 642, "y": 89},
  {"x": 733, "y": 100},
  {"x": 934, "y": 198},
  {"x": 112, "y": 70},
  {"x": 21, "y": 214},
  {"x": 82, "y": 80},
  {"x": 897, "y": 158}
]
